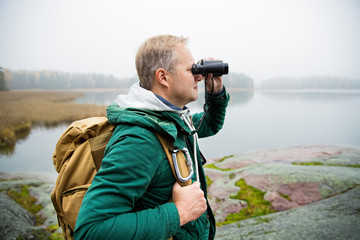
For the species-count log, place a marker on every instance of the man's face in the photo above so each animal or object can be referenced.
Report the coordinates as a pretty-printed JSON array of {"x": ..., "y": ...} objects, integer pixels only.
[{"x": 183, "y": 85}]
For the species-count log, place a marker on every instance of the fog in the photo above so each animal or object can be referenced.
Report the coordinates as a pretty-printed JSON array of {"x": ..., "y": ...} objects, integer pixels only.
[{"x": 261, "y": 38}]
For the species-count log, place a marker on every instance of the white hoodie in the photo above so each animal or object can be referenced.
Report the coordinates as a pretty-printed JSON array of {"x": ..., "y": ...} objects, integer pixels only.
[{"x": 141, "y": 98}]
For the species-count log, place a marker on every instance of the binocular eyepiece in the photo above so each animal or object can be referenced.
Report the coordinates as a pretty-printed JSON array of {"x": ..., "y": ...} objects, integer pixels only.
[{"x": 217, "y": 68}]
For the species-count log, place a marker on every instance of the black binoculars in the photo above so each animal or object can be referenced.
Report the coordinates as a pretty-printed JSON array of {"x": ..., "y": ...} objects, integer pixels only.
[{"x": 216, "y": 68}]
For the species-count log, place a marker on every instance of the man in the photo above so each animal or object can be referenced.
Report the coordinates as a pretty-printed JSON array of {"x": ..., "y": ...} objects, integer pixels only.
[{"x": 129, "y": 196}]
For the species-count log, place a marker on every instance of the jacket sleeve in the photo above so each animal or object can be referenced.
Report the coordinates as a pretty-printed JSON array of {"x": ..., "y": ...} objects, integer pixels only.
[
  {"x": 214, "y": 116},
  {"x": 107, "y": 211}
]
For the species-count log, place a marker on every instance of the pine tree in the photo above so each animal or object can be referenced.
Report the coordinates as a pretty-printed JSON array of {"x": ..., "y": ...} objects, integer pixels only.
[{"x": 2, "y": 80}]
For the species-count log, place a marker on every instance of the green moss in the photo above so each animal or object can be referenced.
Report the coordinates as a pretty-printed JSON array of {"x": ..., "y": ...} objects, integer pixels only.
[
  {"x": 309, "y": 164},
  {"x": 353, "y": 165},
  {"x": 217, "y": 168},
  {"x": 224, "y": 158},
  {"x": 53, "y": 228},
  {"x": 208, "y": 181},
  {"x": 232, "y": 175},
  {"x": 213, "y": 166},
  {"x": 8, "y": 180},
  {"x": 264, "y": 220},
  {"x": 27, "y": 201},
  {"x": 324, "y": 164},
  {"x": 285, "y": 196},
  {"x": 57, "y": 236},
  {"x": 257, "y": 206}
]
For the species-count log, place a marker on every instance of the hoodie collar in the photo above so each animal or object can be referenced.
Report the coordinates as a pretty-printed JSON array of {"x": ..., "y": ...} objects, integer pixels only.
[
  {"x": 141, "y": 98},
  {"x": 169, "y": 104}
]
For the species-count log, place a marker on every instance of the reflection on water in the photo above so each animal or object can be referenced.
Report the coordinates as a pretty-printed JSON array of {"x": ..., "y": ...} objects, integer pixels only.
[
  {"x": 237, "y": 97},
  {"x": 282, "y": 119},
  {"x": 255, "y": 120},
  {"x": 20, "y": 136},
  {"x": 100, "y": 97},
  {"x": 311, "y": 95},
  {"x": 34, "y": 154}
]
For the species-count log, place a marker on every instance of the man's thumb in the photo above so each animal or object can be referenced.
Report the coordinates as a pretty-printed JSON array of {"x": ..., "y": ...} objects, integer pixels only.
[{"x": 197, "y": 183}]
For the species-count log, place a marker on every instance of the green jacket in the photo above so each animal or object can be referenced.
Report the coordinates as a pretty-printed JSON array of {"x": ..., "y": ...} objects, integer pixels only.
[{"x": 129, "y": 196}]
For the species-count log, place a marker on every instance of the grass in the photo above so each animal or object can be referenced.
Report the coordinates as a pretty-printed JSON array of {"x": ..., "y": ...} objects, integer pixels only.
[
  {"x": 21, "y": 110},
  {"x": 257, "y": 206}
]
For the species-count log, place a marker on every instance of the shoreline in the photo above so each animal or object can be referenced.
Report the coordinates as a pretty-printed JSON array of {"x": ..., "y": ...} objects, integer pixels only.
[
  {"x": 51, "y": 175},
  {"x": 292, "y": 180}
]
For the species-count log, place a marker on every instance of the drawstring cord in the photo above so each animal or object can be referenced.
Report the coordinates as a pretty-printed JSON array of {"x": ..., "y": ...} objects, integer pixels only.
[
  {"x": 192, "y": 128},
  {"x": 196, "y": 138}
]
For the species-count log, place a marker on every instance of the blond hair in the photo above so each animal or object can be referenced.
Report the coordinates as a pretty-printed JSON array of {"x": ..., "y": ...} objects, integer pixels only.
[{"x": 156, "y": 52}]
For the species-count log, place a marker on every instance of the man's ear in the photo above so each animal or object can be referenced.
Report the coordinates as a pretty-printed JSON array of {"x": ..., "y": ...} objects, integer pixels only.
[{"x": 161, "y": 76}]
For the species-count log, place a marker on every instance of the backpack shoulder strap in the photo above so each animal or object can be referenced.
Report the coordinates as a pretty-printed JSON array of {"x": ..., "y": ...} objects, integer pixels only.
[{"x": 181, "y": 160}]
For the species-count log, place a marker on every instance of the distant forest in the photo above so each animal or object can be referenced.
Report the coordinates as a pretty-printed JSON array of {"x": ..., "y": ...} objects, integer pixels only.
[
  {"x": 315, "y": 82},
  {"x": 62, "y": 80},
  {"x": 21, "y": 79}
]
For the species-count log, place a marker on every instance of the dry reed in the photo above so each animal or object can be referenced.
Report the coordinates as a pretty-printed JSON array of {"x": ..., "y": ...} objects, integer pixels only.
[{"x": 20, "y": 110}]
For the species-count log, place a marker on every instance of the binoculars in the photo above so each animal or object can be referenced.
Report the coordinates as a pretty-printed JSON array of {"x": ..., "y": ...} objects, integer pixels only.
[{"x": 216, "y": 68}]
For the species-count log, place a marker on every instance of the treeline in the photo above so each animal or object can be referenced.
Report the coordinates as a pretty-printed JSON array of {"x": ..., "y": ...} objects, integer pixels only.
[
  {"x": 238, "y": 80},
  {"x": 314, "y": 82},
  {"x": 21, "y": 79},
  {"x": 63, "y": 80}
]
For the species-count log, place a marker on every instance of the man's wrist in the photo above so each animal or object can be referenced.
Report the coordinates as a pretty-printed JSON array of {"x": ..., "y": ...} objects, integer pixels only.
[
  {"x": 219, "y": 92},
  {"x": 182, "y": 213}
]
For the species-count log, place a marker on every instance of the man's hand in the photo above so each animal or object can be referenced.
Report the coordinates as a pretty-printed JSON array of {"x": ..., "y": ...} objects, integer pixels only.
[
  {"x": 210, "y": 80},
  {"x": 217, "y": 81},
  {"x": 190, "y": 202}
]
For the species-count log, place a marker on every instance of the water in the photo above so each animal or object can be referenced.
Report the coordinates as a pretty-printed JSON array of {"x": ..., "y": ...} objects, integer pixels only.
[
  {"x": 34, "y": 154},
  {"x": 283, "y": 119},
  {"x": 255, "y": 120}
]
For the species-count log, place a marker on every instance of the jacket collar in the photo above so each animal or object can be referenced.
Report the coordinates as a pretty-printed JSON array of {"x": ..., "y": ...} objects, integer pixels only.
[{"x": 166, "y": 122}]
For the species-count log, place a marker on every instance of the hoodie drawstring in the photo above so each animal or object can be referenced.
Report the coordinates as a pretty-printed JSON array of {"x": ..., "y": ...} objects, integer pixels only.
[{"x": 187, "y": 120}]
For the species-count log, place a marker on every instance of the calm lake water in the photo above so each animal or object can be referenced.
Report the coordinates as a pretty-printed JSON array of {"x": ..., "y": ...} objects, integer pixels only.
[{"x": 255, "y": 120}]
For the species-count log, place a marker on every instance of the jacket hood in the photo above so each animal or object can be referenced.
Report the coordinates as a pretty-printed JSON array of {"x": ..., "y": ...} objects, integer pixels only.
[
  {"x": 142, "y": 108},
  {"x": 141, "y": 98}
]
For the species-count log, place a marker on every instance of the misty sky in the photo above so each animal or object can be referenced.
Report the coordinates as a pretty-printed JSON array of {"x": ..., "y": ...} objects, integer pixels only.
[{"x": 261, "y": 38}]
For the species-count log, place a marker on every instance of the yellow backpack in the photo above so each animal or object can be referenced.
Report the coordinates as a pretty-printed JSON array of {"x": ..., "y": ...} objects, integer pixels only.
[{"x": 77, "y": 158}]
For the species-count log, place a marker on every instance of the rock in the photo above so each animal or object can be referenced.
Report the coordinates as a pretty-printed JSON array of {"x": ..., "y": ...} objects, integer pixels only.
[
  {"x": 337, "y": 217},
  {"x": 223, "y": 208},
  {"x": 286, "y": 185},
  {"x": 42, "y": 194},
  {"x": 263, "y": 182},
  {"x": 15, "y": 221},
  {"x": 302, "y": 192},
  {"x": 279, "y": 203}
]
